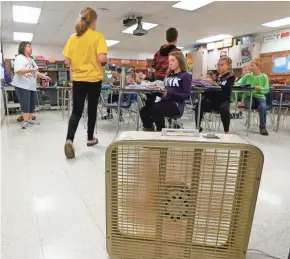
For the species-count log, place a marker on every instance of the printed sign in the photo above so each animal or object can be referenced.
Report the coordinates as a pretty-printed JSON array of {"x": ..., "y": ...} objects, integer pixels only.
[
  {"x": 246, "y": 55},
  {"x": 224, "y": 53},
  {"x": 284, "y": 35},
  {"x": 270, "y": 38},
  {"x": 280, "y": 36}
]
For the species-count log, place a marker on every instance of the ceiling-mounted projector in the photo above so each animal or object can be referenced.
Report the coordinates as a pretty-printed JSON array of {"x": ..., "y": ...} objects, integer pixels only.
[{"x": 139, "y": 30}]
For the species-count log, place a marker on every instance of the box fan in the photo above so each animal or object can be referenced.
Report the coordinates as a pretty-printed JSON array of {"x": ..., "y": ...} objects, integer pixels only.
[{"x": 175, "y": 195}]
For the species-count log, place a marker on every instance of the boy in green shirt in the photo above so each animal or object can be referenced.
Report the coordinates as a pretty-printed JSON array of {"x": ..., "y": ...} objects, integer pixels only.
[{"x": 260, "y": 81}]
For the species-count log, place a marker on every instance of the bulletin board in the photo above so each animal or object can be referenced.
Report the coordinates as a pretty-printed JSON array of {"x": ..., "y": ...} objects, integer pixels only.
[{"x": 281, "y": 65}]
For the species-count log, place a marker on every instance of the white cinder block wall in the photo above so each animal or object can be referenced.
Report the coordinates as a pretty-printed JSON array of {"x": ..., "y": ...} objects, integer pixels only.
[
  {"x": 10, "y": 49},
  {"x": 274, "y": 46}
]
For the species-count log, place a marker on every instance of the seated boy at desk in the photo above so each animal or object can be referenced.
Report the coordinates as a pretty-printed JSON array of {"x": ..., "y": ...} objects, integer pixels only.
[
  {"x": 260, "y": 81},
  {"x": 219, "y": 100},
  {"x": 113, "y": 97}
]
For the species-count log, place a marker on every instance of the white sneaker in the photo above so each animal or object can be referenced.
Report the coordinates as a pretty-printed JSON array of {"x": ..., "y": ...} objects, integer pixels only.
[
  {"x": 69, "y": 149},
  {"x": 34, "y": 122},
  {"x": 24, "y": 124}
]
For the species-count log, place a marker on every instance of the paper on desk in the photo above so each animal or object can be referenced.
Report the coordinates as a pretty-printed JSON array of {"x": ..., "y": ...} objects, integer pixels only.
[{"x": 280, "y": 62}]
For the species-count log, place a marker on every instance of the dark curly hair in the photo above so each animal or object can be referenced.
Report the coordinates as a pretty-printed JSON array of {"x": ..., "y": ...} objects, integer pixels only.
[{"x": 21, "y": 48}]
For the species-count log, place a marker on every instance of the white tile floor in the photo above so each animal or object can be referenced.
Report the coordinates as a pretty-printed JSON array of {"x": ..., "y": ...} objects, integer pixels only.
[{"x": 55, "y": 209}]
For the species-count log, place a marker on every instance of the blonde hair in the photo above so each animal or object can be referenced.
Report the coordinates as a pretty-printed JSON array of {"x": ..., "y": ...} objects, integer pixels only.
[
  {"x": 228, "y": 61},
  {"x": 87, "y": 16},
  {"x": 181, "y": 61},
  {"x": 257, "y": 62}
]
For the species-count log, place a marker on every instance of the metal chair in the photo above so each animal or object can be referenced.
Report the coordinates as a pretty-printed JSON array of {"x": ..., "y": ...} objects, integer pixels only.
[
  {"x": 285, "y": 105},
  {"x": 125, "y": 105},
  {"x": 174, "y": 122},
  {"x": 255, "y": 114}
]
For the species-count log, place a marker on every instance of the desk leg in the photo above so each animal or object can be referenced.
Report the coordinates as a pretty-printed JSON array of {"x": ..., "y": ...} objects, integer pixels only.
[
  {"x": 198, "y": 112},
  {"x": 279, "y": 112},
  {"x": 57, "y": 99},
  {"x": 119, "y": 111},
  {"x": 63, "y": 103},
  {"x": 250, "y": 114},
  {"x": 138, "y": 114},
  {"x": 6, "y": 101}
]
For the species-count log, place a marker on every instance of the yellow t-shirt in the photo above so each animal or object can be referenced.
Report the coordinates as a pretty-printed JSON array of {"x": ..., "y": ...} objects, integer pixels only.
[{"x": 83, "y": 52}]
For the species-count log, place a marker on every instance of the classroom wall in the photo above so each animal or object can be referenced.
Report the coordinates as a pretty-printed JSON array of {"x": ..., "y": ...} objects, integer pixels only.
[
  {"x": 10, "y": 49},
  {"x": 274, "y": 46}
]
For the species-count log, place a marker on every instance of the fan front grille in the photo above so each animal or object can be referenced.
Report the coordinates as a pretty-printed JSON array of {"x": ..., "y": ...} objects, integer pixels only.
[{"x": 181, "y": 202}]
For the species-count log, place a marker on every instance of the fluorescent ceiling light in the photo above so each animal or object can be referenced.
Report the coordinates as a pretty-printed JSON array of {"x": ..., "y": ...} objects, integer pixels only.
[
  {"x": 191, "y": 5},
  {"x": 145, "y": 25},
  {"x": 215, "y": 38},
  {"x": 112, "y": 42},
  {"x": 26, "y": 14},
  {"x": 22, "y": 36},
  {"x": 278, "y": 23}
]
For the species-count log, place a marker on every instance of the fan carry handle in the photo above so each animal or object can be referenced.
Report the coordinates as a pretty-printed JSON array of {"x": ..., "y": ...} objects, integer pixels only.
[{"x": 178, "y": 132}]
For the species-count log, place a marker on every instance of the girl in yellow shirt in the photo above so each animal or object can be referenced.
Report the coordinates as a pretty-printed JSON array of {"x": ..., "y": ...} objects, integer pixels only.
[{"x": 86, "y": 54}]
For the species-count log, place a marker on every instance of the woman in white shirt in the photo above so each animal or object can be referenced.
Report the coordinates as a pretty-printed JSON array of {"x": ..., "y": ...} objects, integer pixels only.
[{"x": 24, "y": 81}]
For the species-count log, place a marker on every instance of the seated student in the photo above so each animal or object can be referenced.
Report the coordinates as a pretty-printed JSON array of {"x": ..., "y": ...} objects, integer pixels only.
[
  {"x": 219, "y": 100},
  {"x": 260, "y": 81},
  {"x": 177, "y": 90},
  {"x": 237, "y": 97},
  {"x": 113, "y": 97},
  {"x": 210, "y": 76}
]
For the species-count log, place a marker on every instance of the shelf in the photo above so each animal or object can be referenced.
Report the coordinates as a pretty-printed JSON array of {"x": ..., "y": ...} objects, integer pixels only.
[{"x": 13, "y": 105}]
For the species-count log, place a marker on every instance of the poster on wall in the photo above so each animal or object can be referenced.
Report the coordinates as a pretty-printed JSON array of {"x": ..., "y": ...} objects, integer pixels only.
[
  {"x": 189, "y": 61},
  {"x": 224, "y": 52},
  {"x": 246, "y": 55},
  {"x": 281, "y": 65}
]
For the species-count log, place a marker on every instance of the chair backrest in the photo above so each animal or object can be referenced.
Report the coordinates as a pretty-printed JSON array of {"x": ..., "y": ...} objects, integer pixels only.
[
  {"x": 270, "y": 96},
  {"x": 286, "y": 97}
]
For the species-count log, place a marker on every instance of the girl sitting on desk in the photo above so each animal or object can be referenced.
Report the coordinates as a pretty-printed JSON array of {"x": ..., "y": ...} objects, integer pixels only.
[
  {"x": 219, "y": 100},
  {"x": 177, "y": 91}
]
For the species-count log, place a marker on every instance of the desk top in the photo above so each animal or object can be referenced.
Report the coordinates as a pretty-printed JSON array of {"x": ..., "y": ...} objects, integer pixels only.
[{"x": 218, "y": 88}]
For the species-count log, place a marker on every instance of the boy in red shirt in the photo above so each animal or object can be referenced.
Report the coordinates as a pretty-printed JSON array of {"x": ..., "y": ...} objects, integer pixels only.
[{"x": 160, "y": 61}]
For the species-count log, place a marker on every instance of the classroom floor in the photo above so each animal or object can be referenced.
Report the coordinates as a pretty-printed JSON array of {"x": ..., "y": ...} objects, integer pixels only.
[{"x": 55, "y": 209}]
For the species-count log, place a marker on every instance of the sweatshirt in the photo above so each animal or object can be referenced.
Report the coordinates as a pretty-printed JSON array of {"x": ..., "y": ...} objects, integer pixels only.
[
  {"x": 259, "y": 80},
  {"x": 178, "y": 88},
  {"x": 226, "y": 83},
  {"x": 160, "y": 61}
]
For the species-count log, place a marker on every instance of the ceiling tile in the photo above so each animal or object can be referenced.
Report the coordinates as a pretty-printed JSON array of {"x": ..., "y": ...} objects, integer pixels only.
[
  {"x": 57, "y": 20},
  {"x": 52, "y": 17},
  {"x": 37, "y": 4},
  {"x": 64, "y": 6}
]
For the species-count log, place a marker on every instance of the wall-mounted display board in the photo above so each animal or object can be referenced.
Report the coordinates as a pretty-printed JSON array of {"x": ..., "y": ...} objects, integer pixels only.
[{"x": 281, "y": 65}]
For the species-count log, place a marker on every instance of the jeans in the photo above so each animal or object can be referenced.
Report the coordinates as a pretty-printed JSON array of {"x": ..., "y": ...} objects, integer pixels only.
[
  {"x": 81, "y": 90},
  {"x": 27, "y": 99},
  {"x": 157, "y": 113},
  {"x": 261, "y": 105},
  {"x": 208, "y": 105}
]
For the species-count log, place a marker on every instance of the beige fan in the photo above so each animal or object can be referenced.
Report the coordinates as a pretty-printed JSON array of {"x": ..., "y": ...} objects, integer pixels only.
[{"x": 180, "y": 196}]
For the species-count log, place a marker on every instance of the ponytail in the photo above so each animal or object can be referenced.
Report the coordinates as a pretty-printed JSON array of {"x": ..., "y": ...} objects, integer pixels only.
[{"x": 87, "y": 16}]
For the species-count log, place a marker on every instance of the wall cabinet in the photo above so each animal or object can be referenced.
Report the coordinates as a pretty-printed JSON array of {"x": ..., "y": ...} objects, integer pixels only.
[{"x": 212, "y": 59}]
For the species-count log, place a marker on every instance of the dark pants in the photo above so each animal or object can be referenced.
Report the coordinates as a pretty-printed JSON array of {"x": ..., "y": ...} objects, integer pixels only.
[
  {"x": 156, "y": 114},
  {"x": 261, "y": 105},
  {"x": 223, "y": 108},
  {"x": 27, "y": 99},
  {"x": 112, "y": 98},
  {"x": 81, "y": 90}
]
